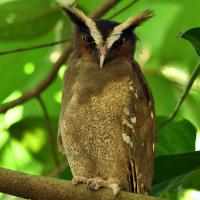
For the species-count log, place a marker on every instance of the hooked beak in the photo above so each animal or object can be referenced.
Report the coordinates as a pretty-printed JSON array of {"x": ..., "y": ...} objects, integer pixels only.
[{"x": 103, "y": 51}]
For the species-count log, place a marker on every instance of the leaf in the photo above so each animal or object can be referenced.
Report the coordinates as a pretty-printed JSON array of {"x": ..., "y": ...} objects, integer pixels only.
[
  {"x": 26, "y": 19},
  {"x": 67, "y": 174},
  {"x": 33, "y": 134},
  {"x": 193, "y": 36},
  {"x": 171, "y": 170},
  {"x": 178, "y": 136},
  {"x": 192, "y": 181}
]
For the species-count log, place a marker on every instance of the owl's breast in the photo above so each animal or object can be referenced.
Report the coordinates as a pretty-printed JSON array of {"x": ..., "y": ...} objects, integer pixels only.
[
  {"x": 99, "y": 106},
  {"x": 94, "y": 125},
  {"x": 93, "y": 105}
]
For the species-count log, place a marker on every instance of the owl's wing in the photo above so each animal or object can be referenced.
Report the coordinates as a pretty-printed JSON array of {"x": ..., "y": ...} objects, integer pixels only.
[
  {"x": 59, "y": 136},
  {"x": 139, "y": 132}
]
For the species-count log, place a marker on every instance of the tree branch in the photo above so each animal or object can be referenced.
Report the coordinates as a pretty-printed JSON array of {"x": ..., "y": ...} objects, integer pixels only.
[
  {"x": 62, "y": 59},
  {"x": 34, "y": 47},
  {"x": 45, "y": 188},
  {"x": 193, "y": 77},
  {"x": 123, "y": 9},
  {"x": 105, "y": 7},
  {"x": 43, "y": 84}
]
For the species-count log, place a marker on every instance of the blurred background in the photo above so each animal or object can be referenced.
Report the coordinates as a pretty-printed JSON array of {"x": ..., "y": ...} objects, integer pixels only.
[{"x": 167, "y": 62}]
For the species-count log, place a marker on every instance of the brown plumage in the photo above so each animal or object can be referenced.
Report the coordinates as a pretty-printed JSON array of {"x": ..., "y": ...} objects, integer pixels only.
[{"x": 107, "y": 125}]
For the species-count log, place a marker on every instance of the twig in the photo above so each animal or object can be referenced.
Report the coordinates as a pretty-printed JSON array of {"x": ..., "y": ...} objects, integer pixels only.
[
  {"x": 50, "y": 131},
  {"x": 193, "y": 77},
  {"x": 43, "y": 84},
  {"x": 45, "y": 188},
  {"x": 62, "y": 59},
  {"x": 33, "y": 47},
  {"x": 103, "y": 9},
  {"x": 123, "y": 9}
]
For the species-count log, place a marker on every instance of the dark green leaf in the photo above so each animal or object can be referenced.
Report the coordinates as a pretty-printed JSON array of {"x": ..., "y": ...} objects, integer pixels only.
[
  {"x": 193, "y": 36},
  {"x": 67, "y": 174},
  {"x": 178, "y": 136},
  {"x": 171, "y": 170}
]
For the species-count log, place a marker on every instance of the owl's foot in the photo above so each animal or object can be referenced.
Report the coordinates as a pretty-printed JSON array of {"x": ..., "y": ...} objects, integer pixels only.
[
  {"x": 77, "y": 179},
  {"x": 96, "y": 183}
]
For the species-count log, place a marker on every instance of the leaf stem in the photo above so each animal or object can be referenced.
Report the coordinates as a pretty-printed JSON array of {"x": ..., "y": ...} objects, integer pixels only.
[{"x": 193, "y": 77}]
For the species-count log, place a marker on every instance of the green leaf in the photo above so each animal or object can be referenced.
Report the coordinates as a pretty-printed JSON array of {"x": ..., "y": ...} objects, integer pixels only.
[
  {"x": 171, "y": 170},
  {"x": 178, "y": 136},
  {"x": 193, "y": 36},
  {"x": 67, "y": 174},
  {"x": 26, "y": 19},
  {"x": 192, "y": 181},
  {"x": 33, "y": 135}
]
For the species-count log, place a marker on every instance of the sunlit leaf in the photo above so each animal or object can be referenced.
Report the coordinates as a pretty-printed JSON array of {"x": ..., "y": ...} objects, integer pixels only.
[
  {"x": 192, "y": 181},
  {"x": 26, "y": 19},
  {"x": 171, "y": 170}
]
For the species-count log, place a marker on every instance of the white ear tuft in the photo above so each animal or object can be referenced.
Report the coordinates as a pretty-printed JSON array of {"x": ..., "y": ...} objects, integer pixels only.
[
  {"x": 80, "y": 19},
  {"x": 130, "y": 23}
]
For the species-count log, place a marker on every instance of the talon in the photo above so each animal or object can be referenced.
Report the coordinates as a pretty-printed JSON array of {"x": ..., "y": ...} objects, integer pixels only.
[
  {"x": 92, "y": 187},
  {"x": 115, "y": 188},
  {"x": 88, "y": 184}
]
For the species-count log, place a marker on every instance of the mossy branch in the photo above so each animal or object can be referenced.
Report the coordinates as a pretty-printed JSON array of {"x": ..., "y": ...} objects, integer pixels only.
[{"x": 46, "y": 188}]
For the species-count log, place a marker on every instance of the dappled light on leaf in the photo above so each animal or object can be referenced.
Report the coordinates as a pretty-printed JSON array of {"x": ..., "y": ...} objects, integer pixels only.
[
  {"x": 34, "y": 140},
  {"x": 29, "y": 68}
]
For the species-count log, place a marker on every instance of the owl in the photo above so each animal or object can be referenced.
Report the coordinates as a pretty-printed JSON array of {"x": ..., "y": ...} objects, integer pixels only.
[{"x": 107, "y": 125}]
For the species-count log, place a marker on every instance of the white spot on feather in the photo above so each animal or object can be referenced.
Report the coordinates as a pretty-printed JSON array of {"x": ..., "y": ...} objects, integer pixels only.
[
  {"x": 131, "y": 144},
  {"x": 127, "y": 139},
  {"x": 130, "y": 125},
  {"x": 124, "y": 136},
  {"x": 133, "y": 119},
  {"x": 136, "y": 95},
  {"x": 130, "y": 87},
  {"x": 124, "y": 121},
  {"x": 126, "y": 111},
  {"x": 151, "y": 114}
]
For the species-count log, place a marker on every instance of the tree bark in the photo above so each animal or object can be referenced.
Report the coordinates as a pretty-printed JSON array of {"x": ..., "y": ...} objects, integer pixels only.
[{"x": 46, "y": 188}]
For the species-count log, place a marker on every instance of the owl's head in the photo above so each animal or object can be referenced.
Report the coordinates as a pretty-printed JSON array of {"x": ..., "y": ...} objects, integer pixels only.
[{"x": 104, "y": 40}]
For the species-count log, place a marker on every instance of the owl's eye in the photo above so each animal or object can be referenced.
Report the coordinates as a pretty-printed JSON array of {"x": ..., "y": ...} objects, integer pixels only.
[
  {"x": 121, "y": 42},
  {"x": 87, "y": 39}
]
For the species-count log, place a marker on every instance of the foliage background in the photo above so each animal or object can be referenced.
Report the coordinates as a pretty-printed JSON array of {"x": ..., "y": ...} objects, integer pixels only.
[{"x": 166, "y": 61}]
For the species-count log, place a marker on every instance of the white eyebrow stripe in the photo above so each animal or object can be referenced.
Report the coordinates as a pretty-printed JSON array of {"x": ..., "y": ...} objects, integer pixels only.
[
  {"x": 117, "y": 31},
  {"x": 95, "y": 33}
]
